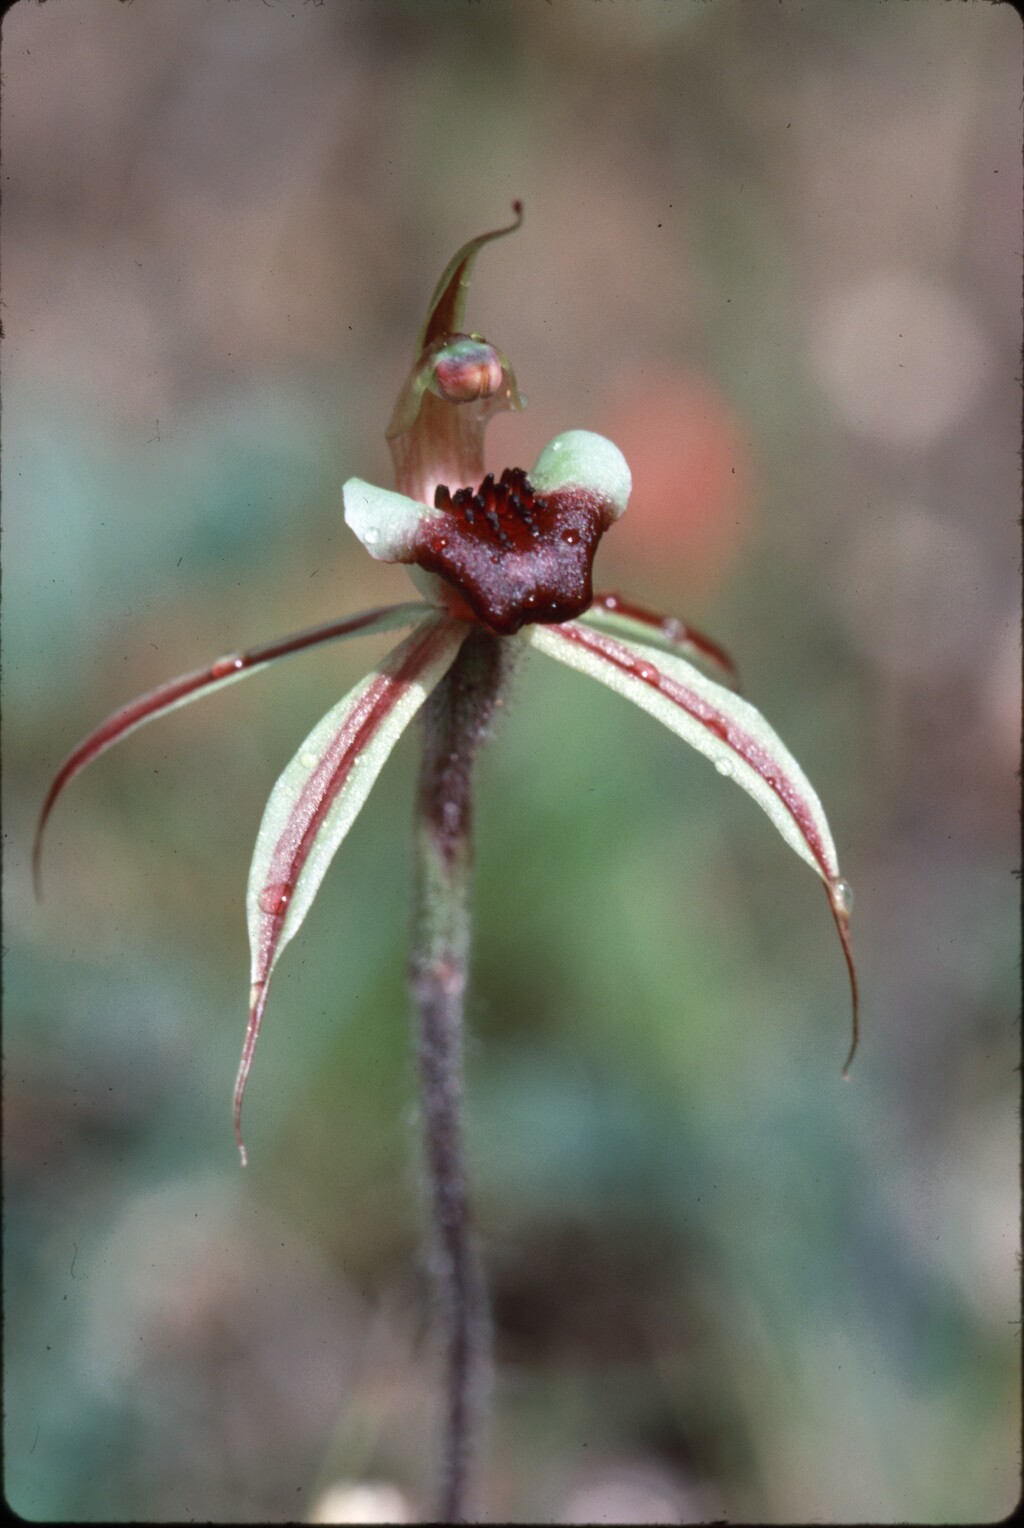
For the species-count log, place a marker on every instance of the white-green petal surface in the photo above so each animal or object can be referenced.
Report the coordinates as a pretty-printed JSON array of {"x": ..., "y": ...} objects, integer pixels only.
[
  {"x": 582, "y": 459},
  {"x": 320, "y": 794},
  {"x": 322, "y": 790},
  {"x": 727, "y": 729},
  {"x": 385, "y": 522}
]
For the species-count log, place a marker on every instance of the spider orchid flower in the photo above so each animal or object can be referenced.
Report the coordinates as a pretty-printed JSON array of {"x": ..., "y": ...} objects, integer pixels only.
[
  {"x": 510, "y": 557},
  {"x": 502, "y": 565}
]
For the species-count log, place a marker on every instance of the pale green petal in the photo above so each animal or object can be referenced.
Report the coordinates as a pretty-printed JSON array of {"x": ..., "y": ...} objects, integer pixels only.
[
  {"x": 581, "y": 459},
  {"x": 794, "y": 808},
  {"x": 385, "y": 522},
  {"x": 412, "y": 669}
]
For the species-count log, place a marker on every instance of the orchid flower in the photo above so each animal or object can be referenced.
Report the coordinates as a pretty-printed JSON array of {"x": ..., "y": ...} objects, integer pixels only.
[{"x": 503, "y": 566}]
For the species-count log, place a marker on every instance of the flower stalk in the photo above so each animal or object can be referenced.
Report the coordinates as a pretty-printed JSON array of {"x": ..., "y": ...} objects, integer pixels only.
[{"x": 456, "y": 721}]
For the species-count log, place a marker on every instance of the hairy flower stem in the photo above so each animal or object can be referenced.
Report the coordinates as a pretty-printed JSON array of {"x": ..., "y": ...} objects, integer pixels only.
[{"x": 456, "y": 721}]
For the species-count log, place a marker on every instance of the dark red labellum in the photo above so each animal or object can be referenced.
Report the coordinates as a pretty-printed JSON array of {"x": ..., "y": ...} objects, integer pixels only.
[{"x": 515, "y": 556}]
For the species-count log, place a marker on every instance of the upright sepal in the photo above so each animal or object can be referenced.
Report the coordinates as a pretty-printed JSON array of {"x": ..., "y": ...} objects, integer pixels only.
[
  {"x": 319, "y": 796},
  {"x": 457, "y": 381},
  {"x": 446, "y": 311}
]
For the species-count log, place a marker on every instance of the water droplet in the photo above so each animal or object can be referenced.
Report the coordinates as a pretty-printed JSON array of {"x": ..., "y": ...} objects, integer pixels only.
[
  {"x": 571, "y": 536},
  {"x": 308, "y": 759},
  {"x": 611, "y": 602},
  {"x": 842, "y": 895},
  {"x": 672, "y": 629},
  {"x": 439, "y": 543},
  {"x": 725, "y": 767},
  {"x": 229, "y": 665},
  {"x": 648, "y": 674},
  {"x": 452, "y": 816},
  {"x": 556, "y": 445},
  {"x": 275, "y": 898},
  {"x": 371, "y": 535}
]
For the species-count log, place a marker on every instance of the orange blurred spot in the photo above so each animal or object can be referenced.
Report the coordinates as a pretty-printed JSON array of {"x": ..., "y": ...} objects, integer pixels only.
[{"x": 691, "y": 505}]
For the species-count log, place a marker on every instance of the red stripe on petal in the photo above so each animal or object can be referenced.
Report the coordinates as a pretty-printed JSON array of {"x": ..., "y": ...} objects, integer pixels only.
[
  {"x": 315, "y": 801},
  {"x": 168, "y": 695},
  {"x": 296, "y": 841},
  {"x": 257, "y": 1005},
  {"x": 672, "y": 629},
  {"x": 105, "y": 735},
  {"x": 842, "y": 922},
  {"x": 741, "y": 742},
  {"x": 747, "y": 748},
  {"x": 302, "y": 639}
]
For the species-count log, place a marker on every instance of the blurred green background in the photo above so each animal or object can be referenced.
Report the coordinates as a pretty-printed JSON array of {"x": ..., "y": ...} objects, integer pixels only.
[{"x": 774, "y": 252}]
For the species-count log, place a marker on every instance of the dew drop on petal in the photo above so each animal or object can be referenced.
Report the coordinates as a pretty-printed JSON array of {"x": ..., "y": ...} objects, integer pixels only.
[
  {"x": 275, "y": 898},
  {"x": 725, "y": 767},
  {"x": 371, "y": 534},
  {"x": 842, "y": 895},
  {"x": 672, "y": 629},
  {"x": 648, "y": 674},
  {"x": 571, "y": 536},
  {"x": 307, "y": 759},
  {"x": 229, "y": 665}
]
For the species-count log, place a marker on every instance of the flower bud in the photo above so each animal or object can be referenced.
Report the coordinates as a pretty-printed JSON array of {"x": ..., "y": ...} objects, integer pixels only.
[{"x": 466, "y": 369}]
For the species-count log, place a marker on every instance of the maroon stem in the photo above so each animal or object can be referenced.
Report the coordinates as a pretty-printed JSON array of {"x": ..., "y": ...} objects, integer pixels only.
[{"x": 456, "y": 722}]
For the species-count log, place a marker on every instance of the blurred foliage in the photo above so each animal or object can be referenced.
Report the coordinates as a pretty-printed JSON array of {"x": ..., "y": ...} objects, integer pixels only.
[{"x": 719, "y": 1276}]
